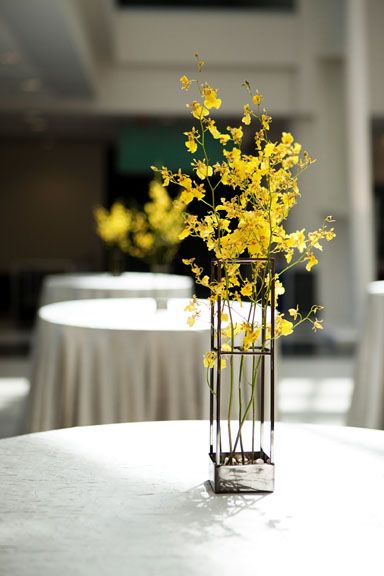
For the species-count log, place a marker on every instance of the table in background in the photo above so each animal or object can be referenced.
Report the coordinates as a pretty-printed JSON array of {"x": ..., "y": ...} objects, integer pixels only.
[
  {"x": 117, "y": 360},
  {"x": 134, "y": 499},
  {"x": 367, "y": 406},
  {"x": 63, "y": 287}
]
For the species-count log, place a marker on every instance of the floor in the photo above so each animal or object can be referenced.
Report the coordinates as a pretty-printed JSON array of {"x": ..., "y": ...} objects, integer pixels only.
[{"x": 313, "y": 389}]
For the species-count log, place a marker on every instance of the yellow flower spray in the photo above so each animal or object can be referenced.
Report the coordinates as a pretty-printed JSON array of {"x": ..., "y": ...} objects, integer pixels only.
[
  {"x": 113, "y": 226},
  {"x": 248, "y": 198},
  {"x": 151, "y": 234}
]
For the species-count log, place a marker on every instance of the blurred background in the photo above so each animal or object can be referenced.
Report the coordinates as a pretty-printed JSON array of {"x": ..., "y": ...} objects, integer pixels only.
[{"x": 90, "y": 98}]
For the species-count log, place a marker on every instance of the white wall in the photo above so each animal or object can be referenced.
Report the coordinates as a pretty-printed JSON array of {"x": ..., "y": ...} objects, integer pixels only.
[
  {"x": 152, "y": 49},
  {"x": 375, "y": 14}
]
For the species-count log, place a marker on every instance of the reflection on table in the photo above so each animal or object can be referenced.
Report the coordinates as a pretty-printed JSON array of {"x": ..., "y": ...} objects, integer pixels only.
[
  {"x": 117, "y": 360},
  {"x": 62, "y": 287},
  {"x": 367, "y": 406},
  {"x": 134, "y": 499}
]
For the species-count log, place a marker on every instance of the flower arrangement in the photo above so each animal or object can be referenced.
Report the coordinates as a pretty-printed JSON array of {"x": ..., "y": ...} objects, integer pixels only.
[
  {"x": 155, "y": 234},
  {"x": 113, "y": 226},
  {"x": 151, "y": 234},
  {"x": 247, "y": 200}
]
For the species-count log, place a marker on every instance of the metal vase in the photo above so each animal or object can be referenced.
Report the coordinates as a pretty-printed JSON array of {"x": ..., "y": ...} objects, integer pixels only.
[{"x": 249, "y": 465}]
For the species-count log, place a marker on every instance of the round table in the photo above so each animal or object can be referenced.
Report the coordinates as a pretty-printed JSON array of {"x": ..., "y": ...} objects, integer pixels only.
[
  {"x": 62, "y": 287},
  {"x": 134, "y": 499},
  {"x": 367, "y": 405},
  {"x": 117, "y": 360}
]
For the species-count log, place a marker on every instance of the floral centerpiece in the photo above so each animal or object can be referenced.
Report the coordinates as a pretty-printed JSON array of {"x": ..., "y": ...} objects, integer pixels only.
[
  {"x": 155, "y": 233},
  {"x": 113, "y": 227},
  {"x": 247, "y": 200},
  {"x": 151, "y": 234}
]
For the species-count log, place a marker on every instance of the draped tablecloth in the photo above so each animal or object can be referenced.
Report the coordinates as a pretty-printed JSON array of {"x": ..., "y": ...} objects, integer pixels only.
[
  {"x": 134, "y": 499},
  {"x": 116, "y": 360},
  {"x": 62, "y": 287},
  {"x": 367, "y": 405}
]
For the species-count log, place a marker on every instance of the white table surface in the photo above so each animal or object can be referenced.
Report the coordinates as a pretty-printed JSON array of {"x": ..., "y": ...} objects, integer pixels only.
[
  {"x": 367, "y": 405},
  {"x": 134, "y": 499},
  {"x": 62, "y": 287},
  {"x": 117, "y": 360}
]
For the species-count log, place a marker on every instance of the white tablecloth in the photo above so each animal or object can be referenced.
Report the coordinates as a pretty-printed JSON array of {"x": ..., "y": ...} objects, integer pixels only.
[
  {"x": 62, "y": 287},
  {"x": 116, "y": 360},
  {"x": 367, "y": 406},
  {"x": 133, "y": 499}
]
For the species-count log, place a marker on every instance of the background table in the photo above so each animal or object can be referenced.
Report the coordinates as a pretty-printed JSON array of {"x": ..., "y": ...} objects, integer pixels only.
[
  {"x": 134, "y": 499},
  {"x": 116, "y": 360},
  {"x": 367, "y": 406},
  {"x": 62, "y": 287}
]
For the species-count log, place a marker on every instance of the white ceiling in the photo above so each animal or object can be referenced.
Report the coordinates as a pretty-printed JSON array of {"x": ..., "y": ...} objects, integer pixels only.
[
  {"x": 49, "y": 53},
  {"x": 80, "y": 67}
]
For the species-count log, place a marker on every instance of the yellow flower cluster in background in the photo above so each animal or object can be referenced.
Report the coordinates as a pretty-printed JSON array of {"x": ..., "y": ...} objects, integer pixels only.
[
  {"x": 113, "y": 226},
  {"x": 151, "y": 234},
  {"x": 156, "y": 231}
]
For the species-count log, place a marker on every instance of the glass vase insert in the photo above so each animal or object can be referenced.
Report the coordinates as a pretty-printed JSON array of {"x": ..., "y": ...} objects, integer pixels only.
[
  {"x": 116, "y": 261},
  {"x": 241, "y": 378}
]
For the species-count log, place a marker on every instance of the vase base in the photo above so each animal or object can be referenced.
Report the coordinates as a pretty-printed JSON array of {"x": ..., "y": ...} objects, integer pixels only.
[{"x": 249, "y": 477}]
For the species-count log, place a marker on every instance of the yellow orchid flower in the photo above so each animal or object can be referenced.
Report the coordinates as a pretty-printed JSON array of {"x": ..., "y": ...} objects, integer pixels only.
[
  {"x": 198, "y": 111},
  {"x": 312, "y": 261},
  {"x": 209, "y": 359},
  {"x": 213, "y": 129},
  {"x": 247, "y": 289},
  {"x": 236, "y": 134},
  {"x": 185, "y": 83},
  {"x": 202, "y": 169},
  {"x": 317, "y": 325},
  {"x": 246, "y": 115},
  {"x": 210, "y": 98},
  {"x": 293, "y": 312},
  {"x": 191, "y": 143},
  {"x": 283, "y": 327}
]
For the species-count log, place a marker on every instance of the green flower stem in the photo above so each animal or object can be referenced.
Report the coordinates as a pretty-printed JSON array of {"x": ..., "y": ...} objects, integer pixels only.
[{"x": 203, "y": 131}]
